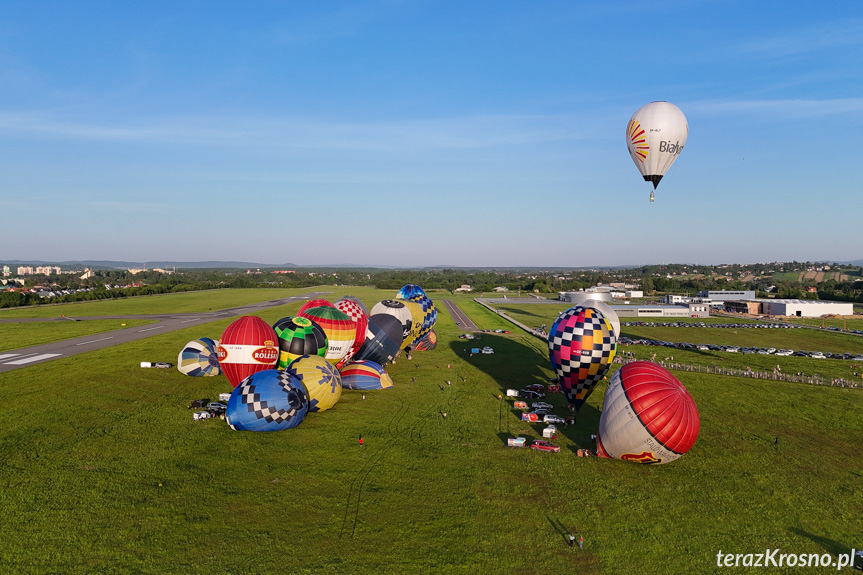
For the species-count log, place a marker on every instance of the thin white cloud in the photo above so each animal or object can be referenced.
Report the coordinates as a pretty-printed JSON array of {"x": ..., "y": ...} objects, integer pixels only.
[
  {"x": 789, "y": 108},
  {"x": 826, "y": 36},
  {"x": 455, "y": 133}
]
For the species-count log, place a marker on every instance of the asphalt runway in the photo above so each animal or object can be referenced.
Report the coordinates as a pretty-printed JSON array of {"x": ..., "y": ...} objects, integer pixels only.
[
  {"x": 165, "y": 323},
  {"x": 459, "y": 316}
]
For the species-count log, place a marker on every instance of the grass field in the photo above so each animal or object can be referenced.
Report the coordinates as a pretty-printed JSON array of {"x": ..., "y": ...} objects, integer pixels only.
[
  {"x": 18, "y": 335},
  {"x": 104, "y": 471}
]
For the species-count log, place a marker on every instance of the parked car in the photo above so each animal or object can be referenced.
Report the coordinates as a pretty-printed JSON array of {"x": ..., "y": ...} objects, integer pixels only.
[
  {"x": 542, "y": 445},
  {"x": 515, "y": 441},
  {"x": 552, "y": 418},
  {"x": 541, "y": 405},
  {"x": 536, "y": 387},
  {"x": 530, "y": 394}
]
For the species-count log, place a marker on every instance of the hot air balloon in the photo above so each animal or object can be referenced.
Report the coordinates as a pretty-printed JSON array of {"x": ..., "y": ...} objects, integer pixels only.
[
  {"x": 299, "y": 336},
  {"x": 199, "y": 358},
  {"x": 321, "y": 378},
  {"x": 409, "y": 291},
  {"x": 247, "y": 346},
  {"x": 429, "y": 313},
  {"x": 365, "y": 375},
  {"x": 383, "y": 339},
  {"x": 581, "y": 347},
  {"x": 648, "y": 416},
  {"x": 357, "y": 300},
  {"x": 427, "y": 342},
  {"x": 359, "y": 316},
  {"x": 314, "y": 303},
  {"x": 655, "y": 136},
  {"x": 400, "y": 311},
  {"x": 270, "y": 400},
  {"x": 340, "y": 330},
  {"x": 607, "y": 312}
]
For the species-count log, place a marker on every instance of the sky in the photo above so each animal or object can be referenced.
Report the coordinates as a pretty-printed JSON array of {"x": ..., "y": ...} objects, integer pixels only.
[{"x": 419, "y": 133}]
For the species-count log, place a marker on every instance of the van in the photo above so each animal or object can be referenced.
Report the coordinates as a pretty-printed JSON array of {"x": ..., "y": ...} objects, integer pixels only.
[{"x": 521, "y": 405}]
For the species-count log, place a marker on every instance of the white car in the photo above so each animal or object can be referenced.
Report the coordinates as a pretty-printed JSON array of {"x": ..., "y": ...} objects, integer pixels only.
[
  {"x": 732, "y": 349},
  {"x": 784, "y": 352},
  {"x": 552, "y": 418},
  {"x": 817, "y": 355},
  {"x": 541, "y": 405},
  {"x": 487, "y": 350}
]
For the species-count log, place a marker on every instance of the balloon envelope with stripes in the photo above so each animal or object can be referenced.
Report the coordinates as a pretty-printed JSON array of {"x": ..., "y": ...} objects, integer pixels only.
[
  {"x": 248, "y": 345},
  {"x": 299, "y": 336}
]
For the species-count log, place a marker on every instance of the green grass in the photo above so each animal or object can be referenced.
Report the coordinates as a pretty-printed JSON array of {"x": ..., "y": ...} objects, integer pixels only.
[
  {"x": 19, "y": 335},
  {"x": 186, "y": 302},
  {"x": 104, "y": 471}
]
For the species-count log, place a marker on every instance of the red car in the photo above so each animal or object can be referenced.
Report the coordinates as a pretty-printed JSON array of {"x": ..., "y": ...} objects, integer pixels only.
[
  {"x": 536, "y": 387},
  {"x": 542, "y": 445}
]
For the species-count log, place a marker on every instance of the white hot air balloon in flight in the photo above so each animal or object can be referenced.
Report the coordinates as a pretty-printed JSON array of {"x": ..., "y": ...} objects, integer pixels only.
[{"x": 655, "y": 137}]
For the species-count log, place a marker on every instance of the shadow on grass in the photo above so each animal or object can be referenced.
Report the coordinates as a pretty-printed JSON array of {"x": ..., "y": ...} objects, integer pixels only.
[
  {"x": 829, "y": 545},
  {"x": 559, "y": 528},
  {"x": 516, "y": 364}
]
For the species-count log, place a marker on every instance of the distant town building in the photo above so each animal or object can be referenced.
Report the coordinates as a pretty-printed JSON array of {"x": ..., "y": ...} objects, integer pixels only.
[
  {"x": 48, "y": 270},
  {"x": 806, "y": 307},
  {"x": 500, "y": 289},
  {"x": 726, "y": 295},
  {"x": 25, "y": 271},
  {"x": 88, "y": 273},
  {"x": 464, "y": 287},
  {"x": 6, "y": 272}
]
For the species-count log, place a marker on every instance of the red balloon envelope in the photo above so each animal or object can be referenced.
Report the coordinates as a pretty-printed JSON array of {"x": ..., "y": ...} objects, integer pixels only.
[
  {"x": 314, "y": 303},
  {"x": 248, "y": 345},
  {"x": 360, "y": 317},
  {"x": 648, "y": 416}
]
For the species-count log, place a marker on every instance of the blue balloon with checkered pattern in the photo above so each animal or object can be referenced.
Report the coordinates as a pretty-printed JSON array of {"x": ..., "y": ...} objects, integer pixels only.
[
  {"x": 409, "y": 291},
  {"x": 269, "y": 400}
]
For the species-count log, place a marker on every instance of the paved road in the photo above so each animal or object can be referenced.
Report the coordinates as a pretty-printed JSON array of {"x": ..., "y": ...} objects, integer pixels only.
[
  {"x": 460, "y": 318},
  {"x": 165, "y": 323}
]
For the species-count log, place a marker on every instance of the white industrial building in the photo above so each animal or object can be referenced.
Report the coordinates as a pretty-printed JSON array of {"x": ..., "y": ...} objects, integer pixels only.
[
  {"x": 805, "y": 307},
  {"x": 726, "y": 295},
  {"x": 578, "y": 297},
  {"x": 690, "y": 310}
]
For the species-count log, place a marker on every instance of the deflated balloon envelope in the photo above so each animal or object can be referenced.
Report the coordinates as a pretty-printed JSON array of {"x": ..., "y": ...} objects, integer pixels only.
[
  {"x": 299, "y": 336},
  {"x": 199, "y": 358},
  {"x": 429, "y": 313},
  {"x": 340, "y": 330},
  {"x": 383, "y": 339},
  {"x": 314, "y": 303},
  {"x": 321, "y": 378},
  {"x": 409, "y": 291},
  {"x": 359, "y": 316},
  {"x": 647, "y": 417},
  {"x": 427, "y": 342},
  {"x": 400, "y": 311},
  {"x": 365, "y": 375},
  {"x": 270, "y": 400},
  {"x": 248, "y": 345}
]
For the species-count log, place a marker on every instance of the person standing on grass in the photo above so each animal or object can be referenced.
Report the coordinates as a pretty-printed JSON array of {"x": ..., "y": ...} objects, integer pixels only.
[
  {"x": 580, "y": 541},
  {"x": 571, "y": 539},
  {"x": 361, "y": 440}
]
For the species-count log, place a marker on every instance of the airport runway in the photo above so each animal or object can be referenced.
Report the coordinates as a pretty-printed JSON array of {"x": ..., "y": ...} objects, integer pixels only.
[
  {"x": 165, "y": 323},
  {"x": 464, "y": 322}
]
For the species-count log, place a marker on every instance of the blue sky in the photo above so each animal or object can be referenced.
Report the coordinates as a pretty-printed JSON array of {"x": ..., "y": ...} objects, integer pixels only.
[{"x": 425, "y": 133}]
